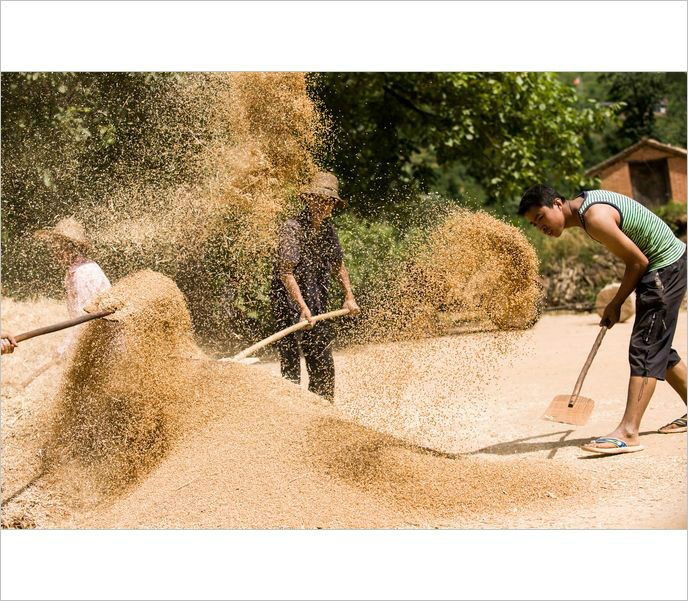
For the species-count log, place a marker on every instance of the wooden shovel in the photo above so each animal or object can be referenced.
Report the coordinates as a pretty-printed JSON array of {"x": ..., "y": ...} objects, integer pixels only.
[
  {"x": 243, "y": 355},
  {"x": 70, "y": 323},
  {"x": 574, "y": 409}
]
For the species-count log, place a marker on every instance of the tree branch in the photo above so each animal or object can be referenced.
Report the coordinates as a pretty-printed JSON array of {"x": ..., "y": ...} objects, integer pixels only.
[{"x": 409, "y": 104}]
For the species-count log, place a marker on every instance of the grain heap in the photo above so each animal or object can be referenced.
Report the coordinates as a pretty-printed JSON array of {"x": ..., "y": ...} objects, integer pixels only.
[
  {"x": 473, "y": 268},
  {"x": 148, "y": 432},
  {"x": 122, "y": 401},
  {"x": 474, "y": 274}
]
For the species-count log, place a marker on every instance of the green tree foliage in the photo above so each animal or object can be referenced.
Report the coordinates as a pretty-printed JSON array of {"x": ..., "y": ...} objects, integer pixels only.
[
  {"x": 639, "y": 94},
  {"x": 645, "y": 105},
  {"x": 66, "y": 137},
  {"x": 394, "y": 134},
  {"x": 650, "y": 105},
  {"x": 671, "y": 128}
]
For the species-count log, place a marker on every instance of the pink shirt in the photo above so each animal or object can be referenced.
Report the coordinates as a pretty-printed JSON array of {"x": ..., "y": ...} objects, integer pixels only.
[{"x": 83, "y": 281}]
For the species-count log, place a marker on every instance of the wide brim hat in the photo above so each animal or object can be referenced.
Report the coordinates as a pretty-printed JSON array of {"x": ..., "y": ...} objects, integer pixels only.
[
  {"x": 67, "y": 230},
  {"x": 325, "y": 184}
]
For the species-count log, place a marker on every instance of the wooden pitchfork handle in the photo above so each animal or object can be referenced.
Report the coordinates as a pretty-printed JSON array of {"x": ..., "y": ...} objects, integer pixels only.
[
  {"x": 586, "y": 367},
  {"x": 285, "y": 332},
  {"x": 70, "y": 323}
]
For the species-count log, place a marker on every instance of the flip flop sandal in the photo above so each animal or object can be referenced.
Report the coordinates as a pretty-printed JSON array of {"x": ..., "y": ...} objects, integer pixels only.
[
  {"x": 619, "y": 446},
  {"x": 680, "y": 426}
]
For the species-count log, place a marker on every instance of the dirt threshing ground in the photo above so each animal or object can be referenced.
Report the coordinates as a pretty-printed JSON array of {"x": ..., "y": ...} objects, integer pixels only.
[
  {"x": 408, "y": 455},
  {"x": 639, "y": 490}
]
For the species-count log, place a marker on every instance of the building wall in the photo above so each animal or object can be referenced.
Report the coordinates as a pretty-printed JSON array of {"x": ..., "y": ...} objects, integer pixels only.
[
  {"x": 677, "y": 176},
  {"x": 617, "y": 177}
]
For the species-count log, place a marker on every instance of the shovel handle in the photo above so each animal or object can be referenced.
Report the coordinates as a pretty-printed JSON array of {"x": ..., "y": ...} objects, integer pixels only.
[
  {"x": 286, "y": 331},
  {"x": 586, "y": 367},
  {"x": 70, "y": 323}
]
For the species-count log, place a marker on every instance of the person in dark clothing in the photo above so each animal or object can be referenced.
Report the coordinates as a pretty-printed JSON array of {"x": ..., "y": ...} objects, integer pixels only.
[{"x": 308, "y": 255}]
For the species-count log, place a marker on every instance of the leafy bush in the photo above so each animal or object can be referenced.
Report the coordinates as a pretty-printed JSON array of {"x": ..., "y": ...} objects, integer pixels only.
[
  {"x": 372, "y": 250},
  {"x": 573, "y": 245},
  {"x": 674, "y": 214}
]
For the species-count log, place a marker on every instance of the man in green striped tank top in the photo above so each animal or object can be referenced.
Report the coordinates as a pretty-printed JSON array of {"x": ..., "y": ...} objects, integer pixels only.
[{"x": 655, "y": 262}]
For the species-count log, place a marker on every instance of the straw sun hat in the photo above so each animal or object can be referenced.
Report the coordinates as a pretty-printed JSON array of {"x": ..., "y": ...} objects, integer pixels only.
[
  {"x": 325, "y": 184},
  {"x": 67, "y": 230}
]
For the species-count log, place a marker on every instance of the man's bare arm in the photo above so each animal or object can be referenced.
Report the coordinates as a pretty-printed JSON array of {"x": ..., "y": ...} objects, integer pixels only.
[
  {"x": 294, "y": 292},
  {"x": 601, "y": 224},
  {"x": 349, "y": 300}
]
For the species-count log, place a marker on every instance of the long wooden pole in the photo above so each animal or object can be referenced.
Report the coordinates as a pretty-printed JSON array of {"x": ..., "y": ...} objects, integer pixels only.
[
  {"x": 70, "y": 323},
  {"x": 285, "y": 332},
  {"x": 586, "y": 367}
]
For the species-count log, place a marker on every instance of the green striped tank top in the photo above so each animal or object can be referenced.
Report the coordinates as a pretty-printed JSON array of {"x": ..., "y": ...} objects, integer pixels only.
[{"x": 650, "y": 234}]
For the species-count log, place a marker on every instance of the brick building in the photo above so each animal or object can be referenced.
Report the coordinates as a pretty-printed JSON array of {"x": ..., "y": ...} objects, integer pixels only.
[{"x": 649, "y": 171}]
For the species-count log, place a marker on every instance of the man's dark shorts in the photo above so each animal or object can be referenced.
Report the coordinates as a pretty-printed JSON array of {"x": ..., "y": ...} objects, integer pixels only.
[{"x": 657, "y": 302}]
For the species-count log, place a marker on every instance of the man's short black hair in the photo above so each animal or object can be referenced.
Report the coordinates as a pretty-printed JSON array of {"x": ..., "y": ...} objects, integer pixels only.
[{"x": 538, "y": 196}]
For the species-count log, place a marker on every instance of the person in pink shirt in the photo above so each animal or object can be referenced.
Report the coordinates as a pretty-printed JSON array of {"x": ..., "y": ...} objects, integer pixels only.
[{"x": 84, "y": 279}]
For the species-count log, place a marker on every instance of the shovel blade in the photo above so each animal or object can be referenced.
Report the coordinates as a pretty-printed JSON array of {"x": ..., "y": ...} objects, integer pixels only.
[
  {"x": 245, "y": 360},
  {"x": 578, "y": 415}
]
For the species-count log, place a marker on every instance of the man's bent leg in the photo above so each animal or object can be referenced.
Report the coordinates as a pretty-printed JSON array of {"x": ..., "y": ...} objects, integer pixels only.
[
  {"x": 288, "y": 347},
  {"x": 317, "y": 350},
  {"x": 640, "y": 391},
  {"x": 676, "y": 378},
  {"x": 290, "y": 358}
]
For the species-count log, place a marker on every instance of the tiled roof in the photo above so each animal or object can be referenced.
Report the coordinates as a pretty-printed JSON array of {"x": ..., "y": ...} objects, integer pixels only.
[{"x": 631, "y": 149}]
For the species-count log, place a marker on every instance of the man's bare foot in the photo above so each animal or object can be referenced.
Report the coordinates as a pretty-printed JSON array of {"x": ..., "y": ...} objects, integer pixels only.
[
  {"x": 607, "y": 445},
  {"x": 631, "y": 439},
  {"x": 675, "y": 427},
  {"x": 619, "y": 441}
]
